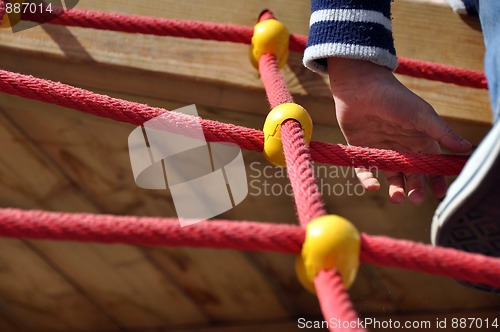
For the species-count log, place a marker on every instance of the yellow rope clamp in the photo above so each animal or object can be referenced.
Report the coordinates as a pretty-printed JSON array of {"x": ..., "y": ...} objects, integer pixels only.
[
  {"x": 331, "y": 242},
  {"x": 273, "y": 147},
  {"x": 12, "y": 14},
  {"x": 270, "y": 36}
]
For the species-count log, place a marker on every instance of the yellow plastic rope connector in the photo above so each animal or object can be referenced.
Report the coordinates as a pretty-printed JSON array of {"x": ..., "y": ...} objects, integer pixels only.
[
  {"x": 14, "y": 14},
  {"x": 270, "y": 36},
  {"x": 273, "y": 147},
  {"x": 331, "y": 242}
]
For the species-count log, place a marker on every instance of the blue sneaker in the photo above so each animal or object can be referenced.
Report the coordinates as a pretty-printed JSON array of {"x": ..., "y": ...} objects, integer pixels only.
[{"x": 468, "y": 218}]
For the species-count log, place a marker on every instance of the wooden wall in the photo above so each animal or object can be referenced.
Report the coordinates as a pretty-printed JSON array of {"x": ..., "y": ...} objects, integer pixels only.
[{"x": 57, "y": 159}]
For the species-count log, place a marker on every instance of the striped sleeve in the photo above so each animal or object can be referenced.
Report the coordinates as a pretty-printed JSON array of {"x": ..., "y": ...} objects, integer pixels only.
[
  {"x": 464, "y": 7},
  {"x": 356, "y": 29}
]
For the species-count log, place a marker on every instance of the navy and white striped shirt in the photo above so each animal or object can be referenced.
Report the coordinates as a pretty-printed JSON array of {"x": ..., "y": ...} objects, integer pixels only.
[{"x": 356, "y": 29}]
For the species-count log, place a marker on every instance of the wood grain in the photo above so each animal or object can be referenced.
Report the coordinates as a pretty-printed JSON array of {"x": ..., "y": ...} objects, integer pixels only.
[{"x": 37, "y": 298}]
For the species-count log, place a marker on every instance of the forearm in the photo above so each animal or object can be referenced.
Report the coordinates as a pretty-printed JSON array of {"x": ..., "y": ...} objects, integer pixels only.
[{"x": 353, "y": 29}]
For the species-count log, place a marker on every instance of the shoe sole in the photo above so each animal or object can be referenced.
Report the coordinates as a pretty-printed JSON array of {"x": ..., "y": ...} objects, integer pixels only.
[{"x": 471, "y": 219}]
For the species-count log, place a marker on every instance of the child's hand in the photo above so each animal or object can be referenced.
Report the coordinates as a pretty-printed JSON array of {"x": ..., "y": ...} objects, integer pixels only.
[{"x": 375, "y": 110}]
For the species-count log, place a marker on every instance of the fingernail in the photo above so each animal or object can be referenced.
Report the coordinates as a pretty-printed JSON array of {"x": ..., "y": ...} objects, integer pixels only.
[
  {"x": 465, "y": 142},
  {"x": 374, "y": 186},
  {"x": 398, "y": 198},
  {"x": 416, "y": 196}
]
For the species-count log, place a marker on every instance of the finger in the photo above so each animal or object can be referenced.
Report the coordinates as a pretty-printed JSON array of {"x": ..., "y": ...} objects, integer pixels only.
[
  {"x": 367, "y": 179},
  {"x": 416, "y": 188},
  {"x": 396, "y": 184},
  {"x": 432, "y": 124},
  {"x": 438, "y": 185}
]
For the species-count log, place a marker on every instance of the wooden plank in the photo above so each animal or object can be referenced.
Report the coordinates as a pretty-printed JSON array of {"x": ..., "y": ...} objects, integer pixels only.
[
  {"x": 223, "y": 282},
  {"x": 7, "y": 322},
  {"x": 35, "y": 182},
  {"x": 30, "y": 287},
  {"x": 281, "y": 268},
  {"x": 21, "y": 187},
  {"x": 91, "y": 151},
  {"x": 224, "y": 77},
  {"x": 438, "y": 294},
  {"x": 36, "y": 298},
  {"x": 435, "y": 33},
  {"x": 122, "y": 281}
]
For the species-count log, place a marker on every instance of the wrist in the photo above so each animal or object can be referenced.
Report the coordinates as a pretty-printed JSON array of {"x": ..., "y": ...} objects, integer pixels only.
[
  {"x": 343, "y": 71},
  {"x": 350, "y": 77}
]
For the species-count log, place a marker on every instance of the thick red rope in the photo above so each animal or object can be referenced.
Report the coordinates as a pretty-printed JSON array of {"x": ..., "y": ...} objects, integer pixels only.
[
  {"x": 443, "y": 73},
  {"x": 135, "y": 113},
  {"x": 240, "y": 235},
  {"x": 308, "y": 198},
  {"x": 334, "y": 301},
  {"x": 239, "y": 34},
  {"x": 299, "y": 164},
  {"x": 149, "y": 231},
  {"x": 276, "y": 89},
  {"x": 145, "y": 25},
  {"x": 2, "y": 10},
  {"x": 475, "y": 268}
]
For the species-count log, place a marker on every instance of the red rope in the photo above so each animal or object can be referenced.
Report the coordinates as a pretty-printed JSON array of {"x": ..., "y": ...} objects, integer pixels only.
[
  {"x": 145, "y": 25},
  {"x": 266, "y": 15},
  {"x": 443, "y": 73},
  {"x": 475, "y": 268},
  {"x": 335, "y": 302},
  {"x": 240, "y": 235},
  {"x": 239, "y": 34},
  {"x": 2, "y": 10},
  {"x": 299, "y": 165},
  {"x": 149, "y": 231},
  {"x": 276, "y": 89},
  {"x": 381, "y": 159},
  {"x": 135, "y": 113},
  {"x": 122, "y": 110}
]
